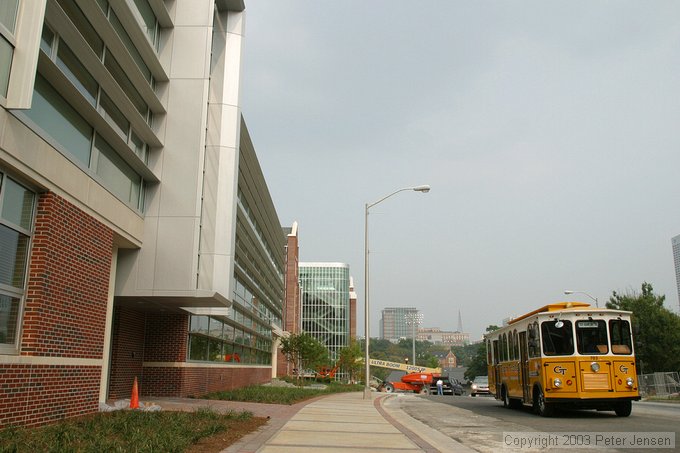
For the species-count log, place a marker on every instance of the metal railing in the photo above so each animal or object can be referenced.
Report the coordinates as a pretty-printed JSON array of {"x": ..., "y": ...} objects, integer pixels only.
[{"x": 659, "y": 384}]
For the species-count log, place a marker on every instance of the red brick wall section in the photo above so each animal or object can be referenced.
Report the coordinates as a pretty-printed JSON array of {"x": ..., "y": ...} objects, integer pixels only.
[
  {"x": 64, "y": 316},
  {"x": 127, "y": 352},
  {"x": 292, "y": 310},
  {"x": 282, "y": 364},
  {"x": 68, "y": 282},
  {"x": 195, "y": 382},
  {"x": 166, "y": 337},
  {"x": 32, "y": 395}
]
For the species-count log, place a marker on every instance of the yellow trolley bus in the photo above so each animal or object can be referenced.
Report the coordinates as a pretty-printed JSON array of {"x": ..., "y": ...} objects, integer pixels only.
[{"x": 566, "y": 354}]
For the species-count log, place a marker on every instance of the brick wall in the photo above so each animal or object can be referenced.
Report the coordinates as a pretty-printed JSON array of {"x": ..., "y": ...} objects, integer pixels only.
[
  {"x": 282, "y": 364},
  {"x": 127, "y": 352},
  {"x": 195, "y": 382},
  {"x": 39, "y": 394},
  {"x": 64, "y": 317},
  {"x": 166, "y": 337},
  {"x": 68, "y": 282},
  {"x": 292, "y": 310}
]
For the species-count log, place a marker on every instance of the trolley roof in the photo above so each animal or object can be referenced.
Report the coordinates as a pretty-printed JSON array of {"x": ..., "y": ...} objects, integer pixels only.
[{"x": 558, "y": 306}]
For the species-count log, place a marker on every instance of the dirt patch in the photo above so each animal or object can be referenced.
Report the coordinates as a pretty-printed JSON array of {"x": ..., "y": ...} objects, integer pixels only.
[{"x": 220, "y": 441}]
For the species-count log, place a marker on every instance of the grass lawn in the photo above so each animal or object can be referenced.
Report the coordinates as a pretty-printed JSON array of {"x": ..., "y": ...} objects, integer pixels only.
[
  {"x": 123, "y": 431},
  {"x": 279, "y": 395},
  {"x": 204, "y": 431}
]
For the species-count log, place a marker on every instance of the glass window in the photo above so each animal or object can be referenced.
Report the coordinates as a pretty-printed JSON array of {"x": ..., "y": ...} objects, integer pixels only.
[
  {"x": 104, "y": 5},
  {"x": 558, "y": 338},
  {"x": 147, "y": 20},
  {"x": 114, "y": 116},
  {"x": 13, "y": 257},
  {"x": 119, "y": 75},
  {"x": 18, "y": 204},
  {"x": 61, "y": 121},
  {"x": 9, "y": 314},
  {"x": 139, "y": 147},
  {"x": 134, "y": 53},
  {"x": 229, "y": 332},
  {"x": 47, "y": 40},
  {"x": 511, "y": 345},
  {"x": 591, "y": 337},
  {"x": 6, "y": 54},
  {"x": 83, "y": 25},
  {"x": 117, "y": 175},
  {"x": 198, "y": 347},
  {"x": 533, "y": 341},
  {"x": 215, "y": 329},
  {"x": 76, "y": 73},
  {"x": 622, "y": 343},
  {"x": 215, "y": 350},
  {"x": 199, "y": 324},
  {"x": 17, "y": 211},
  {"x": 8, "y": 14}
]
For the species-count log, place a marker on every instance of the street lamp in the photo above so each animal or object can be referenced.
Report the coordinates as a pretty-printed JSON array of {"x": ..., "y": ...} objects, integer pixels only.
[
  {"x": 414, "y": 319},
  {"x": 597, "y": 305},
  {"x": 367, "y": 370}
]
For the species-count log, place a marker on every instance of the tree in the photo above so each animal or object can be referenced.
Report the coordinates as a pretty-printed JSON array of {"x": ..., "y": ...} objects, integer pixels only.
[
  {"x": 477, "y": 365},
  {"x": 656, "y": 329},
  {"x": 303, "y": 350},
  {"x": 349, "y": 360}
]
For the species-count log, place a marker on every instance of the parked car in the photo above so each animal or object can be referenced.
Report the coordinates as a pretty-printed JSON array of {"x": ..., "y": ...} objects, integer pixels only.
[
  {"x": 480, "y": 386},
  {"x": 450, "y": 387}
]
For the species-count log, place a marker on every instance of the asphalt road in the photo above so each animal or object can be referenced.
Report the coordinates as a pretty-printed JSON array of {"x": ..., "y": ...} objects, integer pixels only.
[{"x": 482, "y": 423}]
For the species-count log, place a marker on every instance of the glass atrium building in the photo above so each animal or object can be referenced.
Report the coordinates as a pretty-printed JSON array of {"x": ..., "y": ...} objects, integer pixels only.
[{"x": 325, "y": 304}]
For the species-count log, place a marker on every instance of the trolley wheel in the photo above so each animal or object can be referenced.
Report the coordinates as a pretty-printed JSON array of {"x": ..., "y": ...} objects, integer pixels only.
[
  {"x": 510, "y": 403},
  {"x": 540, "y": 406},
  {"x": 623, "y": 409}
]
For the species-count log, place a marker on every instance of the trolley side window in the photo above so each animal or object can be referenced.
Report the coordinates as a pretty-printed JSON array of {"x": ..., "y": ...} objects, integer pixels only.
[
  {"x": 622, "y": 342},
  {"x": 591, "y": 337},
  {"x": 557, "y": 338},
  {"x": 534, "y": 344}
]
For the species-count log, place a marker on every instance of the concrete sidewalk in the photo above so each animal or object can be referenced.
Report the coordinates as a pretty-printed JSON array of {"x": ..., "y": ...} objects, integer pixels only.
[
  {"x": 342, "y": 422},
  {"x": 347, "y": 422}
]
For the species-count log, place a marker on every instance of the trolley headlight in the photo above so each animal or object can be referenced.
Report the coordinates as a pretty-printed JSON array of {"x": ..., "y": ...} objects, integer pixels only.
[
  {"x": 629, "y": 382},
  {"x": 557, "y": 382},
  {"x": 595, "y": 366}
]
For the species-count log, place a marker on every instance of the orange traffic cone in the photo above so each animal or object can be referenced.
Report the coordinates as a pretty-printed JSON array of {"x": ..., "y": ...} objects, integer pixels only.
[{"x": 134, "y": 399}]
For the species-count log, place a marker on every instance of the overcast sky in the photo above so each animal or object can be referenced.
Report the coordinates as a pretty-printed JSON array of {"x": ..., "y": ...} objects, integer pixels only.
[{"x": 549, "y": 132}]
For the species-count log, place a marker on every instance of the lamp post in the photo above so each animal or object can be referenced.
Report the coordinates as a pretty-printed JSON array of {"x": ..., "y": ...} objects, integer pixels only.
[
  {"x": 414, "y": 319},
  {"x": 367, "y": 369},
  {"x": 568, "y": 291}
]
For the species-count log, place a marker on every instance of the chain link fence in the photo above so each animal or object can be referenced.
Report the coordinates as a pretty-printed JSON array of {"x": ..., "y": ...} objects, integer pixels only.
[{"x": 659, "y": 384}]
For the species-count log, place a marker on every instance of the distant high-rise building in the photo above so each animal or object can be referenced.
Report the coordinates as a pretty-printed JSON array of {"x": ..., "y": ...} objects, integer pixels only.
[
  {"x": 437, "y": 336},
  {"x": 676, "y": 258},
  {"x": 326, "y": 310},
  {"x": 394, "y": 323}
]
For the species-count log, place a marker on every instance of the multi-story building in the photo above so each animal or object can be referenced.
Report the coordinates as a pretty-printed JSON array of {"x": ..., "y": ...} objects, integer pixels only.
[
  {"x": 676, "y": 259},
  {"x": 137, "y": 234},
  {"x": 292, "y": 312},
  {"x": 437, "y": 336},
  {"x": 326, "y": 310},
  {"x": 395, "y": 323}
]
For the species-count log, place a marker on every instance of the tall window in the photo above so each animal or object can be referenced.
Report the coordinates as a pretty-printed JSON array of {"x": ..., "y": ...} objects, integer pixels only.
[
  {"x": 8, "y": 18},
  {"x": 17, "y": 205}
]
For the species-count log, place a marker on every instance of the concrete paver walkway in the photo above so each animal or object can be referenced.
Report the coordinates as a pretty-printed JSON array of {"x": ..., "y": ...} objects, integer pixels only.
[
  {"x": 344, "y": 422},
  {"x": 338, "y": 423}
]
